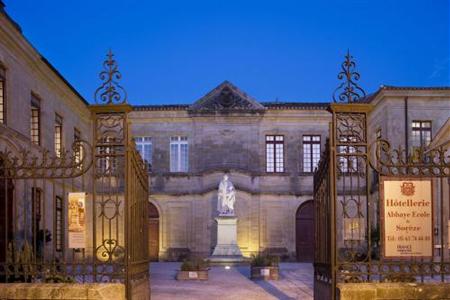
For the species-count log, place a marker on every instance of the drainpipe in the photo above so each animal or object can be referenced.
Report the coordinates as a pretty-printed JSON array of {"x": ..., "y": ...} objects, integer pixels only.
[{"x": 406, "y": 127}]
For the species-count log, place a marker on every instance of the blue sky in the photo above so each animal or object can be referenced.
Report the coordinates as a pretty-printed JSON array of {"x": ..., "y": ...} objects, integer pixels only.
[{"x": 175, "y": 51}]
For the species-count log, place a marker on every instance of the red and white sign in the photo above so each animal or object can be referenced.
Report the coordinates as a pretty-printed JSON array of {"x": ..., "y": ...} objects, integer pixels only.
[{"x": 407, "y": 218}]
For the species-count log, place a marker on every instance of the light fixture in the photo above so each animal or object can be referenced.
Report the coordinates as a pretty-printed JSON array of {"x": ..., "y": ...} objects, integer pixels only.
[{"x": 227, "y": 267}]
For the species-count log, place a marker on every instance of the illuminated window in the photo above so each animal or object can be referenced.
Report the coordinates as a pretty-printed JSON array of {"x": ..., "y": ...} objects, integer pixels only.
[
  {"x": 59, "y": 224},
  {"x": 421, "y": 133},
  {"x": 347, "y": 162},
  {"x": 35, "y": 122},
  {"x": 144, "y": 146},
  {"x": 311, "y": 152},
  {"x": 2, "y": 95},
  {"x": 179, "y": 154},
  {"x": 274, "y": 153},
  {"x": 58, "y": 135},
  {"x": 107, "y": 157},
  {"x": 79, "y": 148}
]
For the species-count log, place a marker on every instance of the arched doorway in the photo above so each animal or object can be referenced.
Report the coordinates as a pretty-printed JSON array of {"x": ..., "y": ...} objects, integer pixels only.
[
  {"x": 153, "y": 232},
  {"x": 305, "y": 232}
]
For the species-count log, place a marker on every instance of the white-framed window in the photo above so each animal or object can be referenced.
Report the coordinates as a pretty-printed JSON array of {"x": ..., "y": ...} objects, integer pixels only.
[
  {"x": 347, "y": 163},
  {"x": 420, "y": 133},
  {"x": 58, "y": 135},
  {"x": 179, "y": 154},
  {"x": 145, "y": 148},
  {"x": 79, "y": 148},
  {"x": 35, "y": 122},
  {"x": 274, "y": 153},
  {"x": 311, "y": 152}
]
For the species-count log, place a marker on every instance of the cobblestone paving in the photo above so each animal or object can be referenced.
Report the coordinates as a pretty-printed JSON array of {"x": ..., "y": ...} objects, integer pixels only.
[{"x": 296, "y": 282}]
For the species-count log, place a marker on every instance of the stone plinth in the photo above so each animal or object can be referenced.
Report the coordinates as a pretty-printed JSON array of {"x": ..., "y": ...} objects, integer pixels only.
[
  {"x": 227, "y": 249},
  {"x": 47, "y": 291},
  {"x": 386, "y": 291}
]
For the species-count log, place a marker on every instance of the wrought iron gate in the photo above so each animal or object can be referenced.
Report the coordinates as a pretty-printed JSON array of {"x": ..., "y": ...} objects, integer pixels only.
[
  {"x": 80, "y": 216},
  {"x": 347, "y": 201}
]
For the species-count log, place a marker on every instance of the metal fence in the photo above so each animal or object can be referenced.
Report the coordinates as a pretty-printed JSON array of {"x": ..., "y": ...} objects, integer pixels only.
[
  {"x": 80, "y": 216},
  {"x": 348, "y": 191}
]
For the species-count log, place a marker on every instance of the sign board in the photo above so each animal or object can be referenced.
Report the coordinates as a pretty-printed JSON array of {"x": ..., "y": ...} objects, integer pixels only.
[
  {"x": 76, "y": 217},
  {"x": 406, "y": 218},
  {"x": 354, "y": 229},
  {"x": 265, "y": 272},
  {"x": 193, "y": 275}
]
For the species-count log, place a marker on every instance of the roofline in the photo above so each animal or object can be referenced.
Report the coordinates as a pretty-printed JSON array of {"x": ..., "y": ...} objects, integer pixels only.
[
  {"x": 43, "y": 59},
  {"x": 267, "y": 105},
  {"x": 414, "y": 88}
]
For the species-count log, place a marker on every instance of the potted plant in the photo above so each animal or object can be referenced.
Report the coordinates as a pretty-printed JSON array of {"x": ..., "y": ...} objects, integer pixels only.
[
  {"x": 264, "y": 267},
  {"x": 193, "y": 269}
]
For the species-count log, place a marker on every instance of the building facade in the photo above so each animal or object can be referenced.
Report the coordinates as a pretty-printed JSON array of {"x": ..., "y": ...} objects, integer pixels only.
[{"x": 269, "y": 149}]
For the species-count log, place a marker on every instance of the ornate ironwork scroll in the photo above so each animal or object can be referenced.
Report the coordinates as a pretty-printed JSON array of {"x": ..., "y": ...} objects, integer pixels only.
[
  {"x": 39, "y": 163},
  {"x": 420, "y": 162},
  {"x": 348, "y": 91},
  {"x": 110, "y": 92}
]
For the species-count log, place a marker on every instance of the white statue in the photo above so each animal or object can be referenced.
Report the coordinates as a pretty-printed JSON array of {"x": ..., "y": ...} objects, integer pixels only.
[{"x": 226, "y": 197}]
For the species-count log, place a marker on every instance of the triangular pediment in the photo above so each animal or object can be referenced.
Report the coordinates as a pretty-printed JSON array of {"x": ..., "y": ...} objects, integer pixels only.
[{"x": 226, "y": 97}]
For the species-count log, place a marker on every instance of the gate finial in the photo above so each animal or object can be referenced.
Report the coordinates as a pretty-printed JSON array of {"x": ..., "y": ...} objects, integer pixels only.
[
  {"x": 348, "y": 91},
  {"x": 110, "y": 92}
]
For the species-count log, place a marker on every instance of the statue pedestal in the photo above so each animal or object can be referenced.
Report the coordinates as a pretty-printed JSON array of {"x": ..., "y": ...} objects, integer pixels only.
[{"x": 227, "y": 249}]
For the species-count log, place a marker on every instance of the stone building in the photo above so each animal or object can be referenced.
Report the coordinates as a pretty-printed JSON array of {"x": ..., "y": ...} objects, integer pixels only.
[
  {"x": 190, "y": 147},
  {"x": 269, "y": 149},
  {"x": 39, "y": 110}
]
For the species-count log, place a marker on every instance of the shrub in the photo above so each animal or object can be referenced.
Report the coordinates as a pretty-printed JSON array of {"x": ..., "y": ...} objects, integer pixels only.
[
  {"x": 59, "y": 279},
  {"x": 194, "y": 264},
  {"x": 264, "y": 261}
]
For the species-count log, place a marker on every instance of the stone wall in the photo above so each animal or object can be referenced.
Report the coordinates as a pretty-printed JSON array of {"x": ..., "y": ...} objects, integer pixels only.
[
  {"x": 68, "y": 291},
  {"x": 400, "y": 291}
]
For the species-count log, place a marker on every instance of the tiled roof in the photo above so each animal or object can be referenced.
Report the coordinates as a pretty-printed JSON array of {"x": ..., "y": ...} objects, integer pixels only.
[
  {"x": 161, "y": 107},
  {"x": 369, "y": 98},
  {"x": 414, "y": 88},
  {"x": 268, "y": 105},
  {"x": 296, "y": 105}
]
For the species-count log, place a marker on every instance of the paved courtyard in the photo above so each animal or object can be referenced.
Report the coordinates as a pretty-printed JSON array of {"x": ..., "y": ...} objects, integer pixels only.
[{"x": 296, "y": 282}]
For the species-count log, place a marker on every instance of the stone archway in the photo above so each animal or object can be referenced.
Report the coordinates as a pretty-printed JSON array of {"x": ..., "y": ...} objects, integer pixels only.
[
  {"x": 304, "y": 225},
  {"x": 153, "y": 232}
]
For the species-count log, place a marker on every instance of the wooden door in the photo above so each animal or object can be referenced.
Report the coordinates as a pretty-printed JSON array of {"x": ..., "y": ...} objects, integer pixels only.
[
  {"x": 6, "y": 215},
  {"x": 153, "y": 233},
  {"x": 305, "y": 232}
]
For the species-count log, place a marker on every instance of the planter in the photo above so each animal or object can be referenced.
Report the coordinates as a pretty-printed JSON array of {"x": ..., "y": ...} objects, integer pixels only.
[
  {"x": 264, "y": 273},
  {"x": 192, "y": 275}
]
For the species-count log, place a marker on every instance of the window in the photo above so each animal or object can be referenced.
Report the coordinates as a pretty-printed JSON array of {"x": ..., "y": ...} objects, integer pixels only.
[
  {"x": 79, "y": 148},
  {"x": 421, "y": 133},
  {"x": 58, "y": 135},
  {"x": 274, "y": 153},
  {"x": 107, "y": 159},
  {"x": 59, "y": 224},
  {"x": 2, "y": 95},
  {"x": 35, "y": 123},
  {"x": 144, "y": 146},
  {"x": 179, "y": 154},
  {"x": 347, "y": 163},
  {"x": 378, "y": 134},
  {"x": 36, "y": 196},
  {"x": 311, "y": 152}
]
